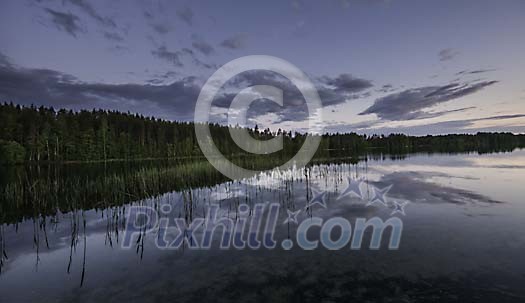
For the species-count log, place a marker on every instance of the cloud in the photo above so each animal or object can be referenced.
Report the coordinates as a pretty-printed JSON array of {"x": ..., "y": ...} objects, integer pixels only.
[
  {"x": 4, "y": 60},
  {"x": 185, "y": 14},
  {"x": 161, "y": 28},
  {"x": 438, "y": 128},
  {"x": 170, "y": 56},
  {"x": 163, "y": 78},
  {"x": 457, "y": 126},
  {"x": 89, "y": 10},
  {"x": 180, "y": 57},
  {"x": 187, "y": 51},
  {"x": 332, "y": 91},
  {"x": 198, "y": 62},
  {"x": 409, "y": 104},
  {"x": 148, "y": 15},
  {"x": 387, "y": 88},
  {"x": 447, "y": 54},
  {"x": 235, "y": 42},
  {"x": 473, "y": 72},
  {"x": 116, "y": 37},
  {"x": 65, "y": 21},
  {"x": 119, "y": 48},
  {"x": 203, "y": 47},
  {"x": 52, "y": 88},
  {"x": 347, "y": 83},
  {"x": 500, "y": 117}
]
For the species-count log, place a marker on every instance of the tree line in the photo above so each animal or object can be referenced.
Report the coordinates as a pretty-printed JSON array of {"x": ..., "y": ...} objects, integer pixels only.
[{"x": 43, "y": 134}]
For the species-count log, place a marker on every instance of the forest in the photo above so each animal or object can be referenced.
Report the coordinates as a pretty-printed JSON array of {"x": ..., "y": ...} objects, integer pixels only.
[{"x": 44, "y": 134}]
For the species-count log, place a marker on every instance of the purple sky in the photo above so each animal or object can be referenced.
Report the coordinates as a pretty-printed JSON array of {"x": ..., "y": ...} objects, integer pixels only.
[{"x": 418, "y": 67}]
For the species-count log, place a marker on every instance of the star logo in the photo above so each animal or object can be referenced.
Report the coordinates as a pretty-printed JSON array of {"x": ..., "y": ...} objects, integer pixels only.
[
  {"x": 292, "y": 216},
  {"x": 318, "y": 198},
  {"x": 353, "y": 188},
  {"x": 379, "y": 196},
  {"x": 399, "y": 207}
]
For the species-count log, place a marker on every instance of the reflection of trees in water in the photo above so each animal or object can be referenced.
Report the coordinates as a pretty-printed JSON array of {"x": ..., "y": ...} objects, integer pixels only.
[
  {"x": 48, "y": 198},
  {"x": 48, "y": 190},
  {"x": 3, "y": 252}
]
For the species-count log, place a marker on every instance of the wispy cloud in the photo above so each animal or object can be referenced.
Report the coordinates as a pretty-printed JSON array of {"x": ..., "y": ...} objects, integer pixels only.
[
  {"x": 474, "y": 72},
  {"x": 437, "y": 128},
  {"x": 410, "y": 104},
  {"x": 447, "y": 54},
  {"x": 185, "y": 14},
  {"x": 90, "y": 11},
  {"x": 165, "y": 54},
  {"x": 203, "y": 47},
  {"x": 234, "y": 42},
  {"x": 116, "y": 37},
  {"x": 65, "y": 21},
  {"x": 346, "y": 83},
  {"x": 161, "y": 28}
]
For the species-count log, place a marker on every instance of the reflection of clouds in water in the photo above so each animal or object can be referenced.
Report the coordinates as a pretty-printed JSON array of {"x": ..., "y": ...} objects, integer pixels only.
[
  {"x": 423, "y": 161},
  {"x": 58, "y": 235},
  {"x": 415, "y": 187},
  {"x": 377, "y": 173},
  {"x": 222, "y": 193},
  {"x": 500, "y": 160}
]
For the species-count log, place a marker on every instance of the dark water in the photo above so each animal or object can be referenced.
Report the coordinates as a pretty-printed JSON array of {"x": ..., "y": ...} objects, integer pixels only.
[{"x": 462, "y": 239}]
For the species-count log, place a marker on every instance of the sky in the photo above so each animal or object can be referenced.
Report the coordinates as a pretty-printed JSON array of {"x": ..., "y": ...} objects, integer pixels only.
[{"x": 379, "y": 66}]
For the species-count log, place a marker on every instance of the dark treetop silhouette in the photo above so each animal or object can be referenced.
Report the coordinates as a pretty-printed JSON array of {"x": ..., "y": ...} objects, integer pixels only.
[{"x": 30, "y": 134}]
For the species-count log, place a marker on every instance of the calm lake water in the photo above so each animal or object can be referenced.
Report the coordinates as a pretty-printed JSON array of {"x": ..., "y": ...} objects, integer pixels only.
[{"x": 462, "y": 239}]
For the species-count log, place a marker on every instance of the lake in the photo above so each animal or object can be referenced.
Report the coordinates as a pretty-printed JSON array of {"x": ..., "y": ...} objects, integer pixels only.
[{"x": 63, "y": 231}]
